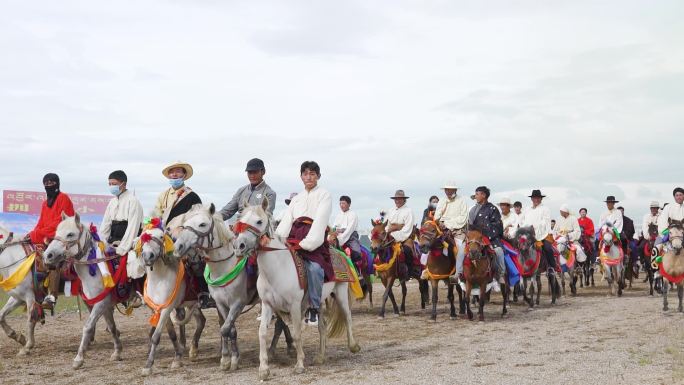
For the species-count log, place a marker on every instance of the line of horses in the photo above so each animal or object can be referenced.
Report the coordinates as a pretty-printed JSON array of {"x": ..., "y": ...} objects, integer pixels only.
[{"x": 278, "y": 287}]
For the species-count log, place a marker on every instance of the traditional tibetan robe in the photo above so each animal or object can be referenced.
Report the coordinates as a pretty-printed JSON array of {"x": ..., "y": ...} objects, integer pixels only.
[
  {"x": 613, "y": 216},
  {"x": 569, "y": 227},
  {"x": 671, "y": 211},
  {"x": 50, "y": 217},
  {"x": 347, "y": 222},
  {"x": 401, "y": 216},
  {"x": 122, "y": 221},
  {"x": 174, "y": 203},
  {"x": 509, "y": 220},
  {"x": 588, "y": 225},
  {"x": 539, "y": 218},
  {"x": 648, "y": 220},
  {"x": 453, "y": 213},
  {"x": 305, "y": 223}
]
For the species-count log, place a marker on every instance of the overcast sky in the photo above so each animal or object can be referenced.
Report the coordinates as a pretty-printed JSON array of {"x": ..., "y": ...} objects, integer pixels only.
[{"x": 581, "y": 99}]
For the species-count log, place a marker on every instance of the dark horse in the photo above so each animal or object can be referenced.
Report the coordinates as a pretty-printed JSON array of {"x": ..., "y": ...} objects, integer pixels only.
[
  {"x": 389, "y": 268},
  {"x": 646, "y": 247},
  {"x": 477, "y": 269},
  {"x": 588, "y": 265},
  {"x": 440, "y": 266}
]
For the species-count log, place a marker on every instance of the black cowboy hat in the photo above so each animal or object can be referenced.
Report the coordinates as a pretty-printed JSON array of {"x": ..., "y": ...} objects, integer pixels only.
[
  {"x": 610, "y": 199},
  {"x": 537, "y": 194}
]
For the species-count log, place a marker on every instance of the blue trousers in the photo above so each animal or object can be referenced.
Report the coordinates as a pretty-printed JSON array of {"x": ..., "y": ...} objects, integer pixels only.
[{"x": 314, "y": 279}]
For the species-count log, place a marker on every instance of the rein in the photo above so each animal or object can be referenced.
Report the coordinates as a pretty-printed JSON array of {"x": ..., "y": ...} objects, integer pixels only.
[
  {"x": 208, "y": 235},
  {"x": 82, "y": 250}
]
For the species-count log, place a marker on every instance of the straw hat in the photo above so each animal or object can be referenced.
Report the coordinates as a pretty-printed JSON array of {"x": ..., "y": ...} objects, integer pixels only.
[
  {"x": 400, "y": 194},
  {"x": 185, "y": 166},
  {"x": 450, "y": 185}
]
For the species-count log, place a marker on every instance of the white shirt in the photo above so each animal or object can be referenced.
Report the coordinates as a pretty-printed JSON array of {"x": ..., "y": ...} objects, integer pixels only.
[
  {"x": 672, "y": 211},
  {"x": 539, "y": 218},
  {"x": 315, "y": 204},
  {"x": 452, "y": 212},
  {"x": 401, "y": 216},
  {"x": 613, "y": 216},
  {"x": 648, "y": 220},
  {"x": 124, "y": 207},
  {"x": 347, "y": 222},
  {"x": 512, "y": 220},
  {"x": 569, "y": 227}
]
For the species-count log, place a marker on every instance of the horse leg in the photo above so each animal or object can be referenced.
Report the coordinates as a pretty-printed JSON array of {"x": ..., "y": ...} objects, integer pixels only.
[
  {"x": 385, "y": 295},
  {"x": 469, "y": 287},
  {"x": 666, "y": 287},
  {"x": 573, "y": 283},
  {"x": 450, "y": 297},
  {"x": 423, "y": 288},
  {"x": 369, "y": 286},
  {"x": 266, "y": 313},
  {"x": 650, "y": 280},
  {"x": 403, "y": 297},
  {"x": 480, "y": 312},
  {"x": 505, "y": 298},
  {"x": 89, "y": 330},
  {"x": 529, "y": 300},
  {"x": 200, "y": 321},
  {"x": 562, "y": 281},
  {"x": 620, "y": 272},
  {"x": 111, "y": 325},
  {"x": 177, "y": 347},
  {"x": 395, "y": 307},
  {"x": 30, "y": 328},
  {"x": 680, "y": 294},
  {"x": 538, "y": 287},
  {"x": 322, "y": 339},
  {"x": 296, "y": 318},
  {"x": 229, "y": 332},
  {"x": 12, "y": 303},
  {"x": 155, "y": 337},
  {"x": 434, "y": 284}
]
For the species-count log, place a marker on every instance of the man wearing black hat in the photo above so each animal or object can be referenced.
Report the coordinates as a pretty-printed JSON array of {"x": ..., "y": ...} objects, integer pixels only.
[
  {"x": 612, "y": 215},
  {"x": 123, "y": 217},
  {"x": 539, "y": 217},
  {"x": 55, "y": 204},
  {"x": 253, "y": 193}
]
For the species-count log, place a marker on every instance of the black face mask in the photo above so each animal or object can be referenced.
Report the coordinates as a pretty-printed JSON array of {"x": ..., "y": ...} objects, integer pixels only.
[{"x": 52, "y": 192}]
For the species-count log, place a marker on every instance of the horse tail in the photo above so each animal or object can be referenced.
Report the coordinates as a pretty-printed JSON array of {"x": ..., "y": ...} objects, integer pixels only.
[
  {"x": 337, "y": 320},
  {"x": 187, "y": 318}
]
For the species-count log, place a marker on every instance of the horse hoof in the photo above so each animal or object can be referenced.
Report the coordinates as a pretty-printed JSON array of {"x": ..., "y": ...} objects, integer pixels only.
[
  {"x": 453, "y": 318},
  {"x": 116, "y": 356},
  {"x": 77, "y": 364},
  {"x": 225, "y": 364},
  {"x": 193, "y": 354},
  {"x": 355, "y": 349},
  {"x": 299, "y": 369},
  {"x": 291, "y": 352},
  {"x": 381, "y": 317},
  {"x": 433, "y": 318},
  {"x": 395, "y": 315},
  {"x": 23, "y": 352},
  {"x": 263, "y": 374},
  {"x": 176, "y": 364},
  {"x": 319, "y": 360},
  {"x": 665, "y": 308}
]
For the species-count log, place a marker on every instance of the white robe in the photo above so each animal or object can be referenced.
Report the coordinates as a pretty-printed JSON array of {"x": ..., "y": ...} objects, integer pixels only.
[
  {"x": 569, "y": 227},
  {"x": 401, "y": 216},
  {"x": 614, "y": 216},
  {"x": 539, "y": 218},
  {"x": 347, "y": 222},
  {"x": 672, "y": 211},
  {"x": 648, "y": 220},
  {"x": 453, "y": 213},
  {"x": 512, "y": 220},
  {"x": 124, "y": 207},
  {"x": 315, "y": 204}
]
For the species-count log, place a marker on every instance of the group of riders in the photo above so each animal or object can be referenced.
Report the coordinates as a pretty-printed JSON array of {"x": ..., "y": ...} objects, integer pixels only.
[{"x": 305, "y": 223}]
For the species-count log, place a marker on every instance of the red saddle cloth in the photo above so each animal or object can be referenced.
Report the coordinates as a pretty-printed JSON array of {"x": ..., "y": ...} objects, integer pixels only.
[{"x": 321, "y": 255}]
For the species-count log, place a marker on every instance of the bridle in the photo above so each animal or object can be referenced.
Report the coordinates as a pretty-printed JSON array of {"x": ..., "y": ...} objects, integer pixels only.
[
  {"x": 147, "y": 237},
  {"x": 82, "y": 250},
  {"x": 207, "y": 236},
  {"x": 432, "y": 236}
]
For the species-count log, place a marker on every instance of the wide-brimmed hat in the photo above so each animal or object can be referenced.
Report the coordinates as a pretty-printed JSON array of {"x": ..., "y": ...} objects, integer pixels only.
[
  {"x": 505, "y": 201},
  {"x": 288, "y": 200},
  {"x": 611, "y": 199},
  {"x": 399, "y": 194},
  {"x": 536, "y": 194},
  {"x": 450, "y": 185},
  {"x": 185, "y": 166},
  {"x": 654, "y": 204},
  {"x": 564, "y": 208}
]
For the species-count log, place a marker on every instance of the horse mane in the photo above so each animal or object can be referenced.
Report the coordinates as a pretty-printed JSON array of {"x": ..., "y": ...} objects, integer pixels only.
[
  {"x": 259, "y": 210},
  {"x": 527, "y": 231}
]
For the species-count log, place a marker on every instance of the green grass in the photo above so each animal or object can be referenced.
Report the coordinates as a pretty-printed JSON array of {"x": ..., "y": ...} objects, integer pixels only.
[{"x": 63, "y": 304}]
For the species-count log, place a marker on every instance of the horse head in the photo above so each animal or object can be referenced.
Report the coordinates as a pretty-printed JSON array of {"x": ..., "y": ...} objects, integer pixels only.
[
  {"x": 429, "y": 235},
  {"x": 676, "y": 235},
  {"x": 562, "y": 244},
  {"x": 524, "y": 237},
  {"x": 253, "y": 224},
  {"x": 70, "y": 242},
  {"x": 202, "y": 229},
  {"x": 475, "y": 246},
  {"x": 378, "y": 234},
  {"x": 154, "y": 243}
]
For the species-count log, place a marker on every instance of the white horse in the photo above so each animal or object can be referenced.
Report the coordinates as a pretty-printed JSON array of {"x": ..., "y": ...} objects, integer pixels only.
[
  {"x": 12, "y": 255},
  {"x": 278, "y": 287},
  {"x": 575, "y": 272},
  {"x": 165, "y": 292},
  {"x": 611, "y": 257},
  {"x": 206, "y": 232},
  {"x": 73, "y": 242},
  {"x": 673, "y": 262}
]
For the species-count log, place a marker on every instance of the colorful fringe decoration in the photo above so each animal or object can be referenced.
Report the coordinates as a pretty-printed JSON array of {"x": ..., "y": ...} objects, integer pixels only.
[
  {"x": 119, "y": 277},
  {"x": 396, "y": 249},
  {"x": 156, "y": 308}
]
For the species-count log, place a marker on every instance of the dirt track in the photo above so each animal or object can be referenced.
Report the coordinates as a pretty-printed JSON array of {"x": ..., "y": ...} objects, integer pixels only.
[{"x": 589, "y": 338}]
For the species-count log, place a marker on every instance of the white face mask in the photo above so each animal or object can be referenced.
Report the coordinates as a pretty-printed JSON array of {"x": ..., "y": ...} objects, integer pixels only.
[{"x": 433, "y": 205}]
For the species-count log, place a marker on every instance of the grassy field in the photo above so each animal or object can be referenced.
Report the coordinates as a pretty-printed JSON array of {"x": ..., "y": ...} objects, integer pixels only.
[{"x": 63, "y": 303}]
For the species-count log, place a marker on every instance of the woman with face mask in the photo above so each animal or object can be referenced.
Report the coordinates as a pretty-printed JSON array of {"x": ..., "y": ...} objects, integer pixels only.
[
  {"x": 178, "y": 198},
  {"x": 429, "y": 212},
  {"x": 55, "y": 204}
]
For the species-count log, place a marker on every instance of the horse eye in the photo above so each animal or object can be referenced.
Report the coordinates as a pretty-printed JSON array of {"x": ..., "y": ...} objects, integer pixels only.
[
  {"x": 203, "y": 225},
  {"x": 259, "y": 222},
  {"x": 70, "y": 235}
]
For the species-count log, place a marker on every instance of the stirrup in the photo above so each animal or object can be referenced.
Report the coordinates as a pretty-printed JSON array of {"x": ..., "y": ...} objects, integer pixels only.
[{"x": 49, "y": 303}]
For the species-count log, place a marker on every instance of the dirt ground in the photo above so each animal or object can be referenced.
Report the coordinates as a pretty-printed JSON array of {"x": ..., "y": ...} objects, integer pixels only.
[{"x": 588, "y": 338}]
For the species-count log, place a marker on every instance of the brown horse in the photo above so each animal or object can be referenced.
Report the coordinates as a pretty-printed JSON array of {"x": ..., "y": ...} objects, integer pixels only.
[
  {"x": 440, "y": 265},
  {"x": 477, "y": 269},
  {"x": 362, "y": 269},
  {"x": 672, "y": 266},
  {"x": 387, "y": 266}
]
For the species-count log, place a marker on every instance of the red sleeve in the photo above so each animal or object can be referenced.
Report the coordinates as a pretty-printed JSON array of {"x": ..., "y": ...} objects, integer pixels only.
[
  {"x": 67, "y": 206},
  {"x": 50, "y": 218}
]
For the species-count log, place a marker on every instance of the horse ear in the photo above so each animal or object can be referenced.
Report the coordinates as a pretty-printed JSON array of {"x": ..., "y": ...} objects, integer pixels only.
[
  {"x": 77, "y": 218},
  {"x": 245, "y": 204},
  {"x": 212, "y": 209},
  {"x": 265, "y": 203},
  {"x": 64, "y": 216}
]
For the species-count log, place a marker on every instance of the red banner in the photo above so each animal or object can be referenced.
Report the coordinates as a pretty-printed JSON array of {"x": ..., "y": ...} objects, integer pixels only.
[{"x": 30, "y": 202}]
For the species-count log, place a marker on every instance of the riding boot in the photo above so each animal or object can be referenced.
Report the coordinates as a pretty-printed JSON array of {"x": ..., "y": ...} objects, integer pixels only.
[
  {"x": 50, "y": 300},
  {"x": 408, "y": 258}
]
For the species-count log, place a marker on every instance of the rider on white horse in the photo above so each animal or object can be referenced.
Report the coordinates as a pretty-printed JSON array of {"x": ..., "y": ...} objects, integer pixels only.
[
  {"x": 122, "y": 221},
  {"x": 674, "y": 211},
  {"x": 568, "y": 226},
  {"x": 253, "y": 193},
  {"x": 452, "y": 215},
  {"x": 51, "y": 211},
  {"x": 304, "y": 225},
  {"x": 612, "y": 215}
]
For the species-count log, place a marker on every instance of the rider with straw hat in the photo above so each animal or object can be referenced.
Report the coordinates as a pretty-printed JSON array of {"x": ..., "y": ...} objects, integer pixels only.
[
  {"x": 508, "y": 218},
  {"x": 452, "y": 215}
]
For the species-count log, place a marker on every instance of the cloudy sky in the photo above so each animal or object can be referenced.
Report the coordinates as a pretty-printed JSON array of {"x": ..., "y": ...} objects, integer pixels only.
[{"x": 581, "y": 99}]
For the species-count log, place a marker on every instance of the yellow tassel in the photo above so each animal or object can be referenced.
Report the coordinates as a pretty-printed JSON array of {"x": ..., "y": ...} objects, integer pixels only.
[{"x": 107, "y": 281}]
